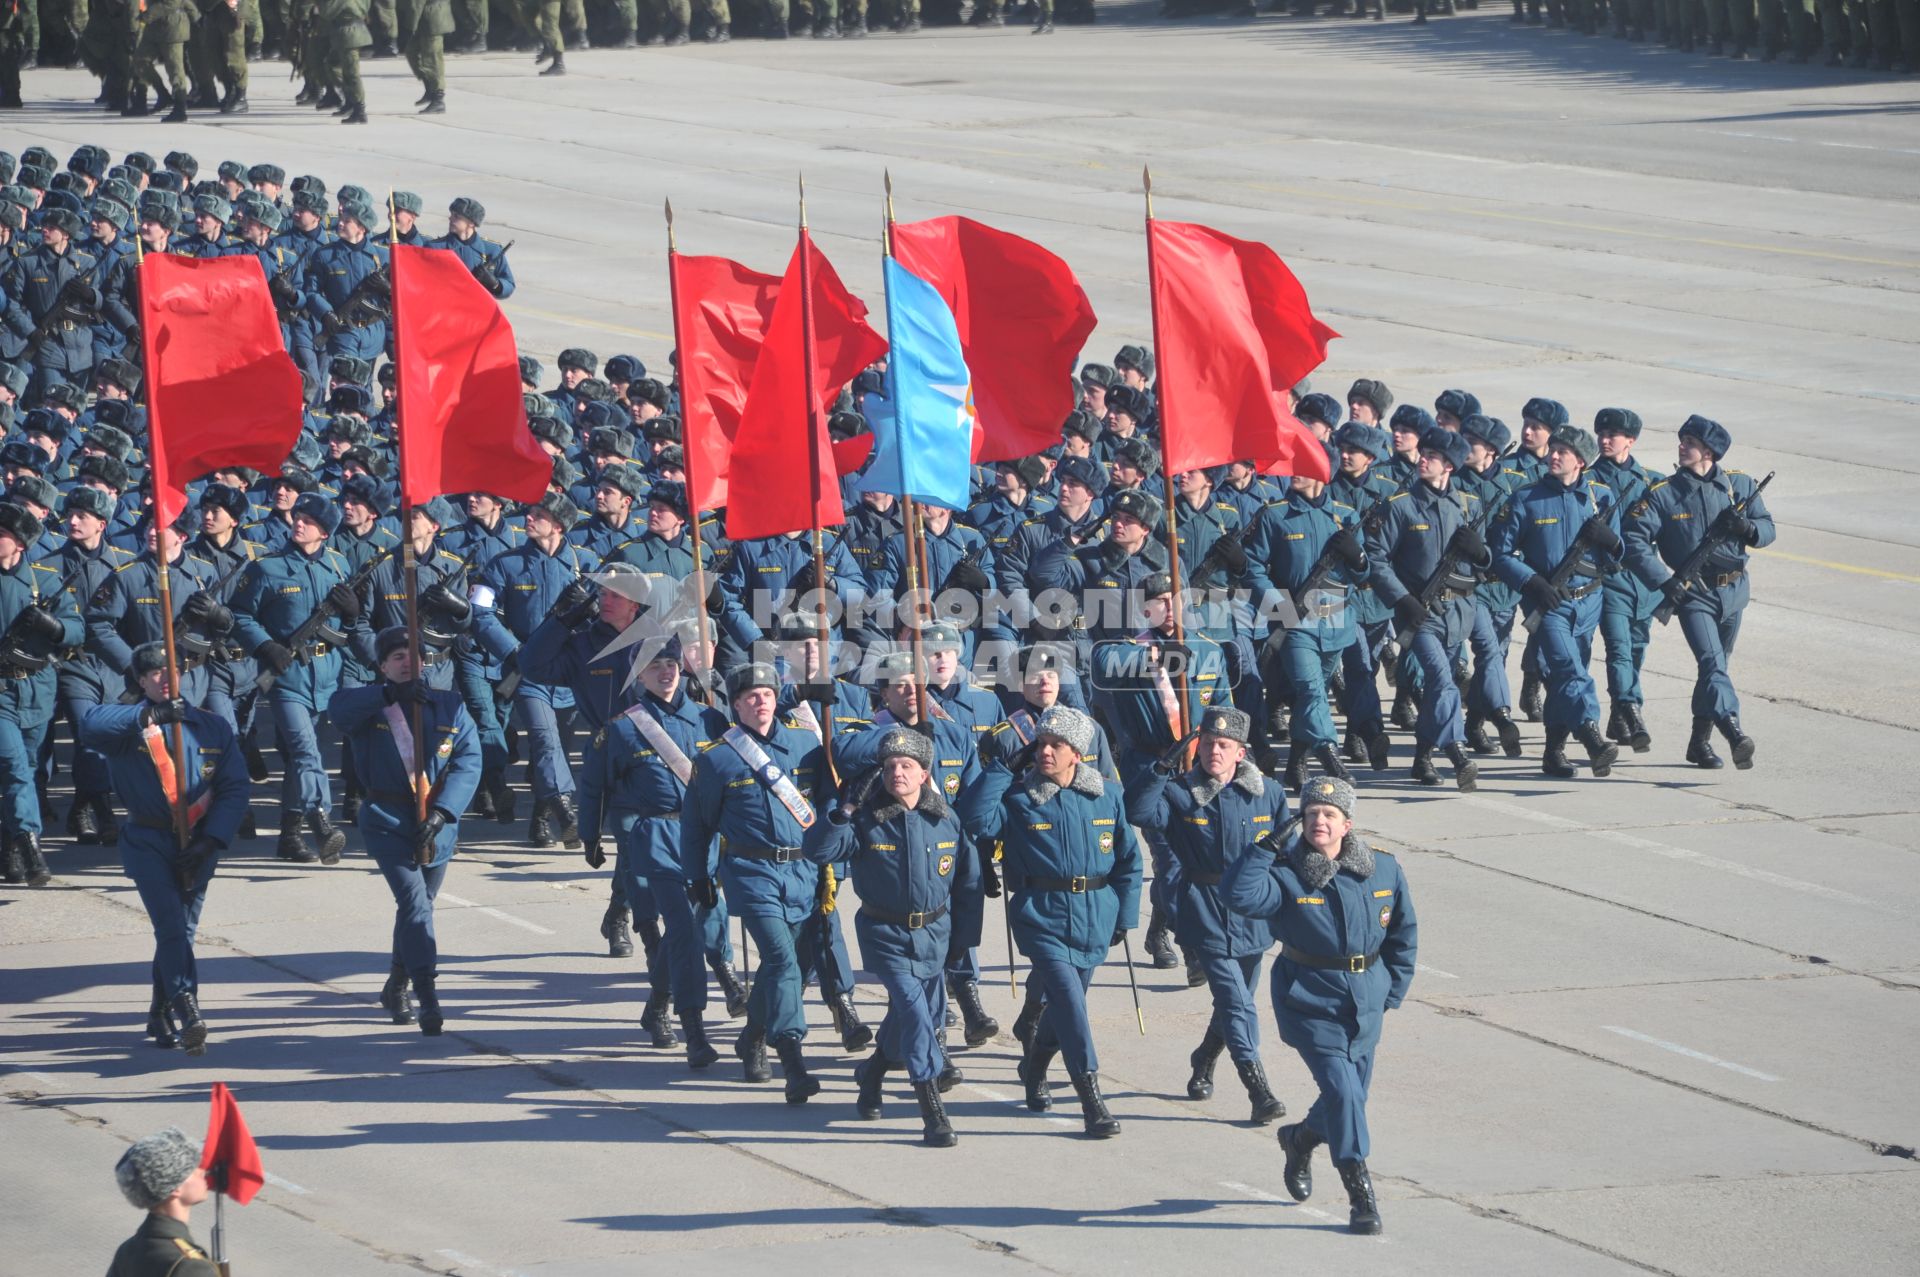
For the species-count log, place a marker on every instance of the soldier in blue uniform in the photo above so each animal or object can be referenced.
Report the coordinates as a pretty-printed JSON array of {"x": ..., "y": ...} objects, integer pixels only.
[
  {"x": 1539, "y": 418},
  {"x": 1420, "y": 526},
  {"x": 1489, "y": 699},
  {"x": 232, "y": 691},
  {"x": 274, "y": 599},
  {"x": 84, "y": 563},
  {"x": 484, "y": 537},
  {"x": 486, "y": 259},
  {"x": 1073, "y": 869},
  {"x": 1362, "y": 484},
  {"x": 441, "y": 576},
  {"x": 1343, "y": 915},
  {"x": 1662, "y": 528},
  {"x": 380, "y": 720},
  {"x": 1210, "y": 812},
  {"x": 758, "y": 788},
  {"x": 908, "y": 854},
  {"x": 349, "y": 313},
  {"x": 1105, "y": 574},
  {"x": 1563, "y": 512},
  {"x": 37, "y": 620},
  {"x": 171, "y": 877},
  {"x": 1626, "y": 603}
]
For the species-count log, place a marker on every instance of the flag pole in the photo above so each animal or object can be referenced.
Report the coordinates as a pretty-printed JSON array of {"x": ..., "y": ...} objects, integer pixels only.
[
  {"x": 176, "y": 732},
  {"x": 913, "y": 531},
  {"x": 693, "y": 513},
  {"x": 1180, "y": 724},
  {"x": 814, "y": 476},
  {"x": 409, "y": 561},
  {"x": 220, "y": 1221}
]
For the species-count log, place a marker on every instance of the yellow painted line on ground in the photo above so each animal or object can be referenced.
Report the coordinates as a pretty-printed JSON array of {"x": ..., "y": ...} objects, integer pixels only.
[
  {"x": 578, "y": 321},
  {"x": 1588, "y": 227},
  {"x": 1852, "y": 568}
]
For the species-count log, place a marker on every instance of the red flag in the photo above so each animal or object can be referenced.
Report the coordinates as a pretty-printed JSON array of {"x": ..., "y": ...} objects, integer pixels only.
[
  {"x": 229, "y": 1143},
  {"x": 1023, "y": 319},
  {"x": 463, "y": 424},
  {"x": 784, "y": 477},
  {"x": 221, "y": 389},
  {"x": 1233, "y": 333},
  {"x": 720, "y": 315}
]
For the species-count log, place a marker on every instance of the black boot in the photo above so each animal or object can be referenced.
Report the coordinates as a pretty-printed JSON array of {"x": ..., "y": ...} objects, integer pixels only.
[
  {"x": 752, "y": 1050},
  {"x": 82, "y": 827},
  {"x": 33, "y": 865},
  {"x": 257, "y": 769},
  {"x": 1700, "y": 745},
  {"x": 431, "y": 1018},
  {"x": 160, "y": 1024},
  {"x": 540, "y": 826},
  {"x": 178, "y": 115},
  {"x": 1093, "y": 1109},
  {"x": 616, "y": 931},
  {"x": 870, "y": 1075},
  {"x": 1738, "y": 743},
  {"x": 801, "y": 1085},
  {"x": 700, "y": 1052},
  {"x": 1553, "y": 761},
  {"x": 1033, "y": 1075},
  {"x": 1028, "y": 1020},
  {"x": 566, "y": 822},
  {"x": 938, "y": 1131},
  {"x": 1601, "y": 752},
  {"x": 1378, "y": 751},
  {"x": 293, "y": 843},
  {"x": 950, "y": 1075},
  {"x": 328, "y": 101},
  {"x": 1200, "y": 1085},
  {"x": 1531, "y": 698},
  {"x": 1466, "y": 772},
  {"x": 558, "y": 66},
  {"x": 1266, "y": 1105},
  {"x": 1423, "y": 769},
  {"x": 1615, "y": 732},
  {"x": 1403, "y": 715},
  {"x": 436, "y": 104},
  {"x": 1477, "y": 739},
  {"x": 1160, "y": 942},
  {"x": 15, "y": 865},
  {"x": 236, "y": 104},
  {"x": 1364, "y": 1215},
  {"x": 654, "y": 1020},
  {"x": 1330, "y": 764},
  {"x": 854, "y": 1035},
  {"x": 730, "y": 988},
  {"x": 248, "y": 829},
  {"x": 193, "y": 1030},
  {"x": 1298, "y": 1143},
  {"x": 502, "y": 794},
  {"x": 396, "y": 997},
  {"x": 333, "y": 840},
  {"x": 981, "y": 1027},
  {"x": 1294, "y": 777},
  {"x": 1635, "y": 729},
  {"x": 1196, "y": 974},
  {"x": 1502, "y": 720}
]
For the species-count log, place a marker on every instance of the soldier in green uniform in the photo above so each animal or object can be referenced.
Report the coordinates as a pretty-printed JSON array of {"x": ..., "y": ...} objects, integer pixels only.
[
  {"x": 222, "y": 42},
  {"x": 670, "y": 19},
  {"x": 13, "y": 53},
  {"x": 424, "y": 26},
  {"x": 345, "y": 25},
  {"x": 160, "y": 1174},
  {"x": 163, "y": 30}
]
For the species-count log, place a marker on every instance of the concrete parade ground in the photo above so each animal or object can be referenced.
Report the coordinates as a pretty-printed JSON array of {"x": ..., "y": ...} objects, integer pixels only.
[{"x": 1663, "y": 1022}]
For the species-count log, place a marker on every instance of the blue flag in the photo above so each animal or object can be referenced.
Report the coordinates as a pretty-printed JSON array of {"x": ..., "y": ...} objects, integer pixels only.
[{"x": 923, "y": 431}]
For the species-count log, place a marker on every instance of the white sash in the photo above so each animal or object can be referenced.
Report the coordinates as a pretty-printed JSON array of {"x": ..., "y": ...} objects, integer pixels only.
[
  {"x": 403, "y": 742},
  {"x": 769, "y": 774},
  {"x": 663, "y": 744}
]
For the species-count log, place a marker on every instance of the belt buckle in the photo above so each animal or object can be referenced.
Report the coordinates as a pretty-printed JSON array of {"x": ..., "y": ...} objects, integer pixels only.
[
  {"x": 785, "y": 855},
  {"x": 916, "y": 920},
  {"x": 1356, "y": 964},
  {"x": 1077, "y": 885}
]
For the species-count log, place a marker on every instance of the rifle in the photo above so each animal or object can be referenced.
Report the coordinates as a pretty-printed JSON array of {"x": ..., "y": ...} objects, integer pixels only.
[
  {"x": 490, "y": 262},
  {"x": 1572, "y": 561},
  {"x": 1446, "y": 569},
  {"x": 12, "y": 655},
  {"x": 370, "y": 301},
  {"x": 316, "y": 625},
  {"x": 66, "y": 308},
  {"x": 1686, "y": 576},
  {"x": 1324, "y": 567}
]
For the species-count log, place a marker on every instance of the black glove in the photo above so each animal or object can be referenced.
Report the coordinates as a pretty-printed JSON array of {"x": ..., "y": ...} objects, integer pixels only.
[
  {"x": 704, "y": 892},
  {"x": 820, "y": 693},
  {"x": 716, "y": 598},
  {"x": 428, "y": 834},
  {"x": 574, "y": 602},
  {"x": 163, "y": 713},
  {"x": 805, "y": 579},
  {"x": 37, "y": 622},
  {"x": 343, "y": 602},
  {"x": 1347, "y": 548},
  {"x": 488, "y": 280},
  {"x": 1599, "y": 534},
  {"x": 285, "y": 295},
  {"x": 275, "y": 655},
  {"x": 439, "y": 599},
  {"x": 331, "y": 324},
  {"x": 1227, "y": 554},
  {"x": 596, "y": 856},
  {"x": 1174, "y": 756},
  {"x": 1468, "y": 544},
  {"x": 1410, "y": 613},
  {"x": 1737, "y": 526},
  {"x": 199, "y": 850},
  {"x": 411, "y": 692},
  {"x": 207, "y": 613},
  {"x": 968, "y": 576},
  {"x": 1119, "y": 935},
  {"x": 1541, "y": 594},
  {"x": 1112, "y": 555},
  {"x": 989, "y": 876},
  {"x": 924, "y": 727}
]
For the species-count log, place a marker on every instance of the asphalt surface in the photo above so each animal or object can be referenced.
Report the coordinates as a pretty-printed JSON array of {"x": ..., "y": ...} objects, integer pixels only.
[{"x": 1664, "y": 1022}]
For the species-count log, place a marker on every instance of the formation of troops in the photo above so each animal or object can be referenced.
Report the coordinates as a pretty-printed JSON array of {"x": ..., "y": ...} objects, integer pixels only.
[{"x": 1071, "y": 696}]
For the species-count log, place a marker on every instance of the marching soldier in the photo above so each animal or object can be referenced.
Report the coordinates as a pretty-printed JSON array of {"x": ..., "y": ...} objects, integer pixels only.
[
  {"x": 486, "y": 259},
  {"x": 1663, "y": 528},
  {"x": 424, "y": 26},
  {"x": 85, "y": 562},
  {"x": 380, "y": 723},
  {"x": 170, "y": 875},
  {"x": 37, "y": 620},
  {"x": 1344, "y": 918},
  {"x": 1626, "y": 604},
  {"x": 1489, "y": 696}
]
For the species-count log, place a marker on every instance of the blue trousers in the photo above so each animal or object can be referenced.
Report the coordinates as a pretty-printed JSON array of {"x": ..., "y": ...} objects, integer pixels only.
[
  {"x": 676, "y": 967},
  {"x": 1309, "y": 660},
  {"x": 1063, "y": 1025},
  {"x": 1361, "y": 661},
  {"x": 413, "y": 891},
  {"x": 1236, "y": 1016},
  {"x": 773, "y": 1006},
  {"x": 969, "y": 914},
  {"x": 1566, "y": 648},
  {"x": 1624, "y": 631},
  {"x": 147, "y": 856},
  {"x": 1163, "y": 891},
  {"x": 909, "y": 1036},
  {"x": 1711, "y": 633},
  {"x": 547, "y": 755},
  {"x": 1439, "y": 724},
  {"x": 1339, "y": 1114},
  {"x": 19, "y": 752},
  {"x": 1488, "y": 690},
  {"x": 476, "y": 690},
  {"x": 89, "y": 765},
  {"x": 824, "y": 955},
  {"x": 303, "y": 787}
]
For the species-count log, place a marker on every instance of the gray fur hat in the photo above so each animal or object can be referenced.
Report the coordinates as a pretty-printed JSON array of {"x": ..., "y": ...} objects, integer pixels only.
[
  {"x": 904, "y": 742},
  {"x": 1231, "y": 724},
  {"x": 155, "y": 1166},
  {"x": 1332, "y": 791},
  {"x": 1069, "y": 725}
]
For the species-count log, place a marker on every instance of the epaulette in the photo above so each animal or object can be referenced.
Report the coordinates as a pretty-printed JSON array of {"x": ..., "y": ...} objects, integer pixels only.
[
  {"x": 1397, "y": 496},
  {"x": 1656, "y": 487},
  {"x": 129, "y": 563},
  {"x": 1340, "y": 505}
]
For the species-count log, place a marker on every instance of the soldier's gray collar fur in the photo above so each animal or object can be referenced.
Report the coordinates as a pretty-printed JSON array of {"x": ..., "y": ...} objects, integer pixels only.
[
  {"x": 1356, "y": 861},
  {"x": 1246, "y": 778},
  {"x": 1085, "y": 780},
  {"x": 932, "y": 804}
]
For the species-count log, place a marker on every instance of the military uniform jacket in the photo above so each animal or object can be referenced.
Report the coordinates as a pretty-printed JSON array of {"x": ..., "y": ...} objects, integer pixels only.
[
  {"x": 956, "y": 761},
  {"x": 642, "y": 794},
  {"x": 1540, "y": 524},
  {"x": 1037, "y": 533},
  {"x": 162, "y": 1248},
  {"x": 1134, "y": 702},
  {"x": 1409, "y": 544},
  {"x": 517, "y": 591},
  {"x": 32, "y": 284},
  {"x": 724, "y": 798},
  {"x": 1209, "y": 824},
  {"x": 165, "y": 22},
  {"x": 1675, "y": 515},
  {"x": 28, "y": 697},
  {"x": 1286, "y": 542},
  {"x": 332, "y": 271},
  {"x": 944, "y": 550},
  {"x": 85, "y": 572},
  {"x": 388, "y": 816},
  {"x": 999, "y": 521},
  {"x": 1356, "y": 906},
  {"x": 771, "y": 563},
  {"x": 602, "y": 538},
  {"x": 1493, "y": 489},
  {"x": 1361, "y": 496},
  {"x": 472, "y": 252},
  {"x": 907, "y": 863},
  {"x": 216, "y": 770},
  {"x": 424, "y": 17},
  {"x": 1050, "y": 833},
  {"x": 1003, "y": 743},
  {"x": 275, "y": 597},
  {"x": 1108, "y": 598},
  {"x": 1629, "y": 483}
]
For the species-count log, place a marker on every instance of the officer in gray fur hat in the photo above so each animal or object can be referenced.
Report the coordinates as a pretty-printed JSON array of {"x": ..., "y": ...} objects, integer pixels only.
[{"x": 160, "y": 1174}]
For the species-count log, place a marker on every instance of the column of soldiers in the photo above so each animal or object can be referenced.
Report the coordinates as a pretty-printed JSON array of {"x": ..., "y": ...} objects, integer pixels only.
[{"x": 1101, "y": 683}]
